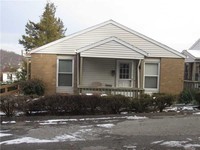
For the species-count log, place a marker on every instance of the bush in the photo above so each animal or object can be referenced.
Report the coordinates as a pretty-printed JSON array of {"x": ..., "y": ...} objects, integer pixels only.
[
  {"x": 197, "y": 97},
  {"x": 32, "y": 87},
  {"x": 143, "y": 104},
  {"x": 162, "y": 100},
  {"x": 186, "y": 96},
  {"x": 11, "y": 104},
  {"x": 115, "y": 103}
]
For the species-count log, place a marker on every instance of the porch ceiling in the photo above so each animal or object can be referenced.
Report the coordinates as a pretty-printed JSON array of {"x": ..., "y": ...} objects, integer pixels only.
[{"x": 112, "y": 47}]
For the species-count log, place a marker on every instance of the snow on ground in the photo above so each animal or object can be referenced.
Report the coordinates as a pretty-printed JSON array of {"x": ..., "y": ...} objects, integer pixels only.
[
  {"x": 59, "y": 138},
  {"x": 130, "y": 147},
  {"x": 135, "y": 117},
  {"x": 188, "y": 108},
  {"x": 2, "y": 113},
  {"x": 64, "y": 121},
  {"x": 157, "y": 142},
  {"x": 8, "y": 122},
  {"x": 4, "y": 134},
  {"x": 26, "y": 140},
  {"x": 198, "y": 113},
  {"x": 179, "y": 144},
  {"x": 108, "y": 125},
  {"x": 181, "y": 107},
  {"x": 174, "y": 143}
]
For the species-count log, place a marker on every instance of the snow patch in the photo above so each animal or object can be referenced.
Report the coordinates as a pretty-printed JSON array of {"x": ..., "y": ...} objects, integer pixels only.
[
  {"x": 130, "y": 147},
  {"x": 174, "y": 143},
  {"x": 26, "y": 140},
  {"x": 60, "y": 138},
  {"x": 157, "y": 142},
  {"x": 56, "y": 121},
  {"x": 198, "y": 113},
  {"x": 171, "y": 109},
  {"x": 67, "y": 137},
  {"x": 135, "y": 117},
  {"x": 109, "y": 125},
  {"x": 188, "y": 108},
  {"x": 189, "y": 146},
  {"x": 85, "y": 130},
  {"x": 64, "y": 121},
  {"x": 8, "y": 122},
  {"x": 4, "y": 134},
  {"x": 2, "y": 113}
]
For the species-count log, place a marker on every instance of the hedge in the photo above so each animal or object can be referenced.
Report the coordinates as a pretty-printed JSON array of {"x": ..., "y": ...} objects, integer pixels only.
[{"x": 83, "y": 104}]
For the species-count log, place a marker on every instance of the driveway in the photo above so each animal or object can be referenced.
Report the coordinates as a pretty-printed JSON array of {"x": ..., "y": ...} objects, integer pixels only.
[{"x": 119, "y": 132}]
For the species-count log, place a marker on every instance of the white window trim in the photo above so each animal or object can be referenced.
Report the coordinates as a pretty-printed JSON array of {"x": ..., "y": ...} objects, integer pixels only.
[
  {"x": 152, "y": 61},
  {"x": 57, "y": 72}
]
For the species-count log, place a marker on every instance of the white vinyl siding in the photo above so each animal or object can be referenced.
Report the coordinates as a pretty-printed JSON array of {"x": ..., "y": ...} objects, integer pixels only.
[
  {"x": 65, "y": 73},
  {"x": 69, "y": 46},
  {"x": 98, "y": 70},
  {"x": 112, "y": 49},
  {"x": 151, "y": 75}
]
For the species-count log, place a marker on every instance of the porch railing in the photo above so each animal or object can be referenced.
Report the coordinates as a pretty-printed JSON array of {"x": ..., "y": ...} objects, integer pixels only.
[
  {"x": 9, "y": 89},
  {"x": 194, "y": 85},
  {"x": 129, "y": 92}
]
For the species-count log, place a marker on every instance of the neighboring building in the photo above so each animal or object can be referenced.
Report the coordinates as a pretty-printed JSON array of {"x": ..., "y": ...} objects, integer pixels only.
[
  {"x": 108, "y": 57},
  {"x": 9, "y": 77},
  {"x": 192, "y": 62}
]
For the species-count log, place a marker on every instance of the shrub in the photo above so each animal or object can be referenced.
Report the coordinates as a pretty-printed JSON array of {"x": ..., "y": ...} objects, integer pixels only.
[
  {"x": 11, "y": 104},
  {"x": 162, "y": 100},
  {"x": 142, "y": 104},
  {"x": 115, "y": 103},
  {"x": 8, "y": 105},
  {"x": 186, "y": 96},
  {"x": 32, "y": 87},
  {"x": 197, "y": 97}
]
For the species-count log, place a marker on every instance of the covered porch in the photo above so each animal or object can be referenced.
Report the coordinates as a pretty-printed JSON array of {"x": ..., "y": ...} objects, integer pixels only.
[{"x": 110, "y": 66}]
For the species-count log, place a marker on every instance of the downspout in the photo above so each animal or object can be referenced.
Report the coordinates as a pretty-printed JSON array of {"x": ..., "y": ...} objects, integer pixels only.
[{"x": 138, "y": 68}]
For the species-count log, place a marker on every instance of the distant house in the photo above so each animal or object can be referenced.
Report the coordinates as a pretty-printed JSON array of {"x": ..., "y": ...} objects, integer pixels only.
[
  {"x": 9, "y": 77},
  {"x": 108, "y": 58},
  {"x": 192, "y": 62}
]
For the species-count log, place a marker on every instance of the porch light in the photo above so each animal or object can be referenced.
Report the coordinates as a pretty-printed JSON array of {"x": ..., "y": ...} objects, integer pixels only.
[{"x": 113, "y": 72}]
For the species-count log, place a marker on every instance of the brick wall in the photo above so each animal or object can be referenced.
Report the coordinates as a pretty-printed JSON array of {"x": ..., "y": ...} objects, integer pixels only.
[
  {"x": 43, "y": 66},
  {"x": 171, "y": 75}
]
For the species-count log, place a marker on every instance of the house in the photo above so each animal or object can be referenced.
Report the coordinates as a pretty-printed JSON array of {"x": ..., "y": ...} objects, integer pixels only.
[
  {"x": 108, "y": 58},
  {"x": 9, "y": 77},
  {"x": 192, "y": 64}
]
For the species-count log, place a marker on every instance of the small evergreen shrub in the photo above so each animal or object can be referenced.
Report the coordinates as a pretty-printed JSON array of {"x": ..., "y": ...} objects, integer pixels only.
[
  {"x": 186, "y": 96},
  {"x": 115, "y": 103},
  {"x": 197, "y": 97},
  {"x": 141, "y": 104},
  {"x": 32, "y": 87},
  {"x": 162, "y": 100}
]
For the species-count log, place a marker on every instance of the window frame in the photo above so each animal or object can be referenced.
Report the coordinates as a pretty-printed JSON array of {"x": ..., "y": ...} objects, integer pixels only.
[
  {"x": 72, "y": 73},
  {"x": 152, "y": 61}
]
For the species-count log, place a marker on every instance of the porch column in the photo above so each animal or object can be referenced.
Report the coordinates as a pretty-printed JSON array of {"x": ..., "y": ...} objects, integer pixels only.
[
  {"x": 75, "y": 74},
  {"x": 81, "y": 71},
  {"x": 142, "y": 74},
  {"x": 193, "y": 71}
]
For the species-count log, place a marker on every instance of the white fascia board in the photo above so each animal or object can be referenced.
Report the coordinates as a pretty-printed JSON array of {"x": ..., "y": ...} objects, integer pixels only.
[
  {"x": 187, "y": 54},
  {"x": 109, "y": 40}
]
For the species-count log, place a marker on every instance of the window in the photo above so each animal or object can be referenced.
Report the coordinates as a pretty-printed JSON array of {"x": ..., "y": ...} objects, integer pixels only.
[
  {"x": 124, "y": 71},
  {"x": 65, "y": 72},
  {"x": 151, "y": 75}
]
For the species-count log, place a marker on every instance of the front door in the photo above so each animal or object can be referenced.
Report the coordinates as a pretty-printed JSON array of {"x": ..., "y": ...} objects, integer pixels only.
[{"x": 124, "y": 73}]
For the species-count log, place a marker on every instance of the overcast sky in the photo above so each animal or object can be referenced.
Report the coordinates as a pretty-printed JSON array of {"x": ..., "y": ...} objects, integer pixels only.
[{"x": 175, "y": 23}]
